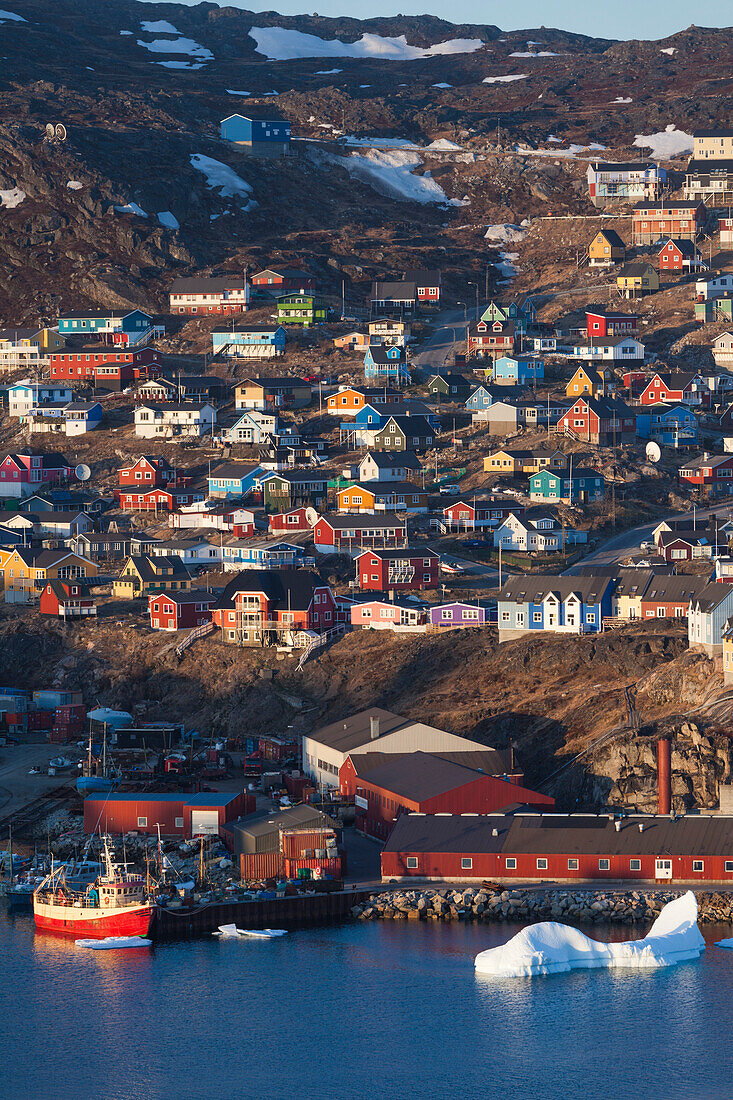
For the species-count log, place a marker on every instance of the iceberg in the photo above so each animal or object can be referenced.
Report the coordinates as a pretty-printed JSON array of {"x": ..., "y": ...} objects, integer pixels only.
[
  {"x": 552, "y": 948},
  {"x": 113, "y": 943}
]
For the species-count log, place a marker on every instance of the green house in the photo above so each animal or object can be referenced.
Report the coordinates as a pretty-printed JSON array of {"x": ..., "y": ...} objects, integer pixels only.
[
  {"x": 283, "y": 491},
  {"x": 579, "y": 488},
  {"x": 404, "y": 433},
  {"x": 301, "y": 309}
]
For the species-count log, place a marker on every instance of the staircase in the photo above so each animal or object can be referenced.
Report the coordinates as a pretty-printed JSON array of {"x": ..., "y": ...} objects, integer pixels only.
[
  {"x": 583, "y": 260},
  {"x": 197, "y": 632}
]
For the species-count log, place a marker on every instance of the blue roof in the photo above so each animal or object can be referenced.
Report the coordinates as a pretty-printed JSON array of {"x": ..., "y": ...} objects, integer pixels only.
[
  {"x": 206, "y": 798},
  {"x": 213, "y": 798}
]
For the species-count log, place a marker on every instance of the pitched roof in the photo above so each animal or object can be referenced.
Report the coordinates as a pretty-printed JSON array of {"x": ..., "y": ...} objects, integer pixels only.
[
  {"x": 384, "y": 519},
  {"x": 415, "y": 775},
  {"x": 399, "y": 290},
  {"x": 208, "y": 284},
  {"x": 386, "y": 460},
  {"x": 150, "y": 568},
  {"x": 633, "y": 271},
  {"x": 355, "y": 731},
  {"x": 423, "y": 276},
  {"x": 687, "y": 248},
  {"x": 234, "y": 469},
  {"x": 379, "y": 353},
  {"x": 533, "y": 589},
  {"x": 711, "y": 596},
  {"x": 621, "y": 166},
  {"x": 285, "y": 588},
  {"x": 670, "y": 587},
  {"x": 612, "y": 237},
  {"x": 405, "y": 552},
  {"x": 410, "y": 425}
]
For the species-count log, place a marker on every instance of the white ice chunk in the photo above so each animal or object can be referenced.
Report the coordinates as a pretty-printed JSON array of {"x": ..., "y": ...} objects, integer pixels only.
[
  {"x": 504, "y": 79},
  {"x": 669, "y": 50},
  {"x": 233, "y": 91},
  {"x": 442, "y": 145},
  {"x": 552, "y": 948},
  {"x": 170, "y": 221},
  {"x": 281, "y": 44},
  {"x": 666, "y": 143},
  {"x": 265, "y": 933},
  {"x": 12, "y": 198},
  {"x": 114, "y": 943},
  {"x": 505, "y": 234},
  {"x": 132, "y": 208},
  {"x": 11, "y": 17},
  {"x": 725, "y": 943},
  {"x": 226, "y": 931},
  {"x": 220, "y": 177}
]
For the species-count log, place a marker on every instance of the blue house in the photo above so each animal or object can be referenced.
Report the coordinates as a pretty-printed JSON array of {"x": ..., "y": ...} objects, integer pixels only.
[
  {"x": 567, "y": 605},
  {"x": 580, "y": 487},
  {"x": 670, "y": 425},
  {"x": 509, "y": 368},
  {"x": 235, "y": 479},
  {"x": 99, "y": 322},
  {"x": 483, "y": 397},
  {"x": 386, "y": 364},
  {"x": 249, "y": 341},
  {"x": 260, "y": 130},
  {"x": 245, "y": 554}
]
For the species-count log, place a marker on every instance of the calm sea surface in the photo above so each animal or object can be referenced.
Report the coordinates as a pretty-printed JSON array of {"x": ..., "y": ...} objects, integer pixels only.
[{"x": 360, "y": 1011}]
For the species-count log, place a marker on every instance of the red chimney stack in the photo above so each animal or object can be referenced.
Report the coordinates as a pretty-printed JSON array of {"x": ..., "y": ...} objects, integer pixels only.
[{"x": 664, "y": 775}]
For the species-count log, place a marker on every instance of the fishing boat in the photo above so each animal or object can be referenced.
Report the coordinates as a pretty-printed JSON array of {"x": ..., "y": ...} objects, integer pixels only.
[
  {"x": 95, "y": 777},
  {"x": 117, "y": 903}
]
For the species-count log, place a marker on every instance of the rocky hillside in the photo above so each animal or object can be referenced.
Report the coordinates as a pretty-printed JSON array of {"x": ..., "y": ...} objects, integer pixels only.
[{"x": 141, "y": 89}]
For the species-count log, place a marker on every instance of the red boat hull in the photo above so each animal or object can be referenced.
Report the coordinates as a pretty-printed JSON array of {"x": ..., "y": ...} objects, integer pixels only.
[{"x": 121, "y": 922}]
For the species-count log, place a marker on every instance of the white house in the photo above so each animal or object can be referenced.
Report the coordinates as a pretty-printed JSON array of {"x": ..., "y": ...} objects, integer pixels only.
[
  {"x": 251, "y": 427},
  {"x": 623, "y": 349},
  {"x": 168, "y": 421},
  {"x": 74, "y": 418},
  {"x": 192, "y": 551},
  {"x": 715, "y": 286},
  {"x": 708, "y": 617},
  {"x": 383, "y": 466},
  {"x": 229, "y": 294},
  {"x": 26, "y": 395},
  {"x": 541, "y": 533},
  {"x": 723, "y": 349}
]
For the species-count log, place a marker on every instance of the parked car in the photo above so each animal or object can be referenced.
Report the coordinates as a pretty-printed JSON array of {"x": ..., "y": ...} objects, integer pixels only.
[
  {"x": 477, "y": 544},
  {"x": 449, "y": 490}
]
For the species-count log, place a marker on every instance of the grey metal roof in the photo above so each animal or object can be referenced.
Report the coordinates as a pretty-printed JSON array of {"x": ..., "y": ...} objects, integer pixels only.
[
  {"x": 532, "y": 589},
  {"x": 355, "y": 731},
  {"x": 207, "y": 285},
  {"x": 416, "y": 775}
]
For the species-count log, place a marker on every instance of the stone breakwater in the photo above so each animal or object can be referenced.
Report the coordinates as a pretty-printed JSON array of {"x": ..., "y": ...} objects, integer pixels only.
[{"x": 565, "y": 905}]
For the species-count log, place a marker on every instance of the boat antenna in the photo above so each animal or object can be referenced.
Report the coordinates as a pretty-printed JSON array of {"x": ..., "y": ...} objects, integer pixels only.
[{"x": 10, "y": 846}]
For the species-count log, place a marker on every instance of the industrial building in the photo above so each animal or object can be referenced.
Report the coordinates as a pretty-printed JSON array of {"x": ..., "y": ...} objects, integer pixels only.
[{"x": 183, "y": 815}]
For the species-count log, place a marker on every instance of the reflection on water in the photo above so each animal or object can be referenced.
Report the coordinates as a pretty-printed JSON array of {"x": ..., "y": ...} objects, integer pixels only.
[{"x": 365, "y": 1010}]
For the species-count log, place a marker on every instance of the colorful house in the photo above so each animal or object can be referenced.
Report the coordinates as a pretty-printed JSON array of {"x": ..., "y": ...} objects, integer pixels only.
[
  {"x": 235, "y": 479},
  {"x": 266, "y": 394},
  {"x": 143, "y": 574},
  {"x": 708, "y": 617},
  {"x": 689, "y": 389},
  {"x": 389, "y": 496},
  {"x": 596, "y": 382},
  {"x": 284, "y": 491},
  {"x": 301, "y": 309},
  {"x": 404, "y": 433},
  {"x": 67, "y": 599},
  {"x": 578, "y": 487},
  {"x": 260, "y": 554},
  {"x": 568, "y": 605},
  {"x": 606, "y": 249},
  {"x": 245, "y": 341},
  {"x": 282, "y": 279},
  {"x": 261, "y": 131},
  {"x": 458, "y": 614},
  {"x": 261, "y": 608},
  {"x": 626, "y": 181},
  {"x": 511, "y": 370},
  {"x": 609, "y": 322},
  {"x": 680, "y": 255},
  {"x": 114, "y": 326},
  {"x": 656, "y": 221},
  {"x": 23, "y": 474},
  {"x": 491, "y": 339},
  {"x": 711, "y": 474},
  {"x": 536, "y": 533},
  {"x": 204, "y": 295},
  {"x": 428, "y": 282},
  {"x": 382, "y": 612},
  {"x": 387, "y": 364},
  {"x": 352, "y": 534},
  {"x": 635, "y": 280},
  {"x": 180, "y": 610},
  {"x": 472, "y": 513},
  {"x": 669, "y": 425},
  {"x": 604, "y": 421},
  {"x": 407, "y": 568},
  {"x": 451, "y": 387},
  {"x": 350, "y": 400},
  {"x": 610, "y": 348}
]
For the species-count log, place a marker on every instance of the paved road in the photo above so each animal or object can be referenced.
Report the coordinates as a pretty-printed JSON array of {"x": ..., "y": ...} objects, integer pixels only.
[
  {"x": 17, "y": 787},
  {"x": 437, "y": 352}
]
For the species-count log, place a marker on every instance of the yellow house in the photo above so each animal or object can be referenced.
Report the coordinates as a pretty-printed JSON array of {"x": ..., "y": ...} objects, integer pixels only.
[
  {"x": 356, "y": 498},
  {"x": 509, "y": 462},
  {"x": 27, "y": 571},
  {"x": 591, "y": 382},
  {"x": 143, "y": 573},
  {"x": 351, "y": 341},
  {"x": 636, "y": 279},
  {"x": 606, "y": 248}
]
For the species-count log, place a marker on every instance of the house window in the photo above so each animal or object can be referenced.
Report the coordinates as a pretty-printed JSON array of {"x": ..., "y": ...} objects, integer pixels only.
[
  {"x": 466, "y": 863},
  {"x": 511, "y": 863},
  {"x": 142, "y": 823},
  {"x": 446, "y": 614},
  {"x": 729, "y": 864},
  {"x": 604, "y": 864},
  {"x": 505, "y": 616},
  {"x": 634, "y": 864},
  {"x": 411, "y": 863},
  {"x": 541, "y": 864},
  {"x": 179, "y": 822},
  {"x": 698, "y": 865},
  {"x": 572, "y": 865},
  {"x": 590, "y": 617},
  {"x": 537, "y": 617}
]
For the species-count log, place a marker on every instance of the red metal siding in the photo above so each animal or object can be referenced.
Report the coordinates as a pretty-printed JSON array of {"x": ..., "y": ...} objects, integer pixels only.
[
  {"x": 257, "y": 865},
  {"x": 117, "y": 816}
]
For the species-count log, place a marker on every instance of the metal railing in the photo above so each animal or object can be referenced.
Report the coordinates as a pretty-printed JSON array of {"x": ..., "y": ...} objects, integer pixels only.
[
  {"x": 198, "y": 632},
  {"x": 318, "y": 643}
]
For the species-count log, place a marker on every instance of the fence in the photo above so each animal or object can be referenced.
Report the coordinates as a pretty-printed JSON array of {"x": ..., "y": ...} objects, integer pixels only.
[
  {"x": 197, "y": 632},
  {"x": 319, "y": 643}
]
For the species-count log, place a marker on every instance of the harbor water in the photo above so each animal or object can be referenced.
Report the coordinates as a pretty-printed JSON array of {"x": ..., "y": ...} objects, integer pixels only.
[{"x": 361, "y": 1010}]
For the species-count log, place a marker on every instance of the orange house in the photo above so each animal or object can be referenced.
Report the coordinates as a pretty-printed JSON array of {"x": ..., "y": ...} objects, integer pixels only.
[{"x": 348, "y": 402}]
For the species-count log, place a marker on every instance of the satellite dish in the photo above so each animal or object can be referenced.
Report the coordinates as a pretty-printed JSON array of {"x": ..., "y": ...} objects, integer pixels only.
[
  {"x": 311, "y": 517},
  {"x": 82, "y": 471},
  {"x": 50, "y": 130},
  {"x": 60, "y": 132},
  {"x": 653, "y": 452}
]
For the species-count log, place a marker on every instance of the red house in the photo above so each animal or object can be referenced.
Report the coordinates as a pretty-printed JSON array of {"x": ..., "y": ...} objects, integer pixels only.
[
  {"x": 490, "y": 339},
  {"x": 342, "y": 534},
  {"x": 472, "y": 513},
  {"x": 713, "y": 474},
  {"x": 385, "y": 785},
  {"x": 410, "y": 568},
  {"x": 668, "y": 596},
  {"x": 427, "y": 282},
  {"x": 284, "y": 279},
  {"x": 22, "y": 474},
  {"x": 180, "y": 610},
  {"x": 259, "y": 606},
  {"x": 687, "y": 388},
  {"x": 105, "y": 365},
  {"x": 69, "y": 599},
  {"x": 679, "y": 256},
  {"x": 157, "y": 500},
  {"x": 295, "y": 520},
  {"x": 558, "y": 847},
  {"x": 606, "y": 322},
  {"x": 603, "y": 421},
  {"x": 151, "y": 471}
]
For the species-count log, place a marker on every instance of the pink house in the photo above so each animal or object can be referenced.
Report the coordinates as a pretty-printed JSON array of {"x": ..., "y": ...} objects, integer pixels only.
[{"x": 22, "y": 475}]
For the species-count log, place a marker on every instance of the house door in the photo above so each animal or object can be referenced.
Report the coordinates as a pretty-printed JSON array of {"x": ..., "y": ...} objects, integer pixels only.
[
  {"x": 551, "y": 618},
  {"x": 520, "y": 620},
  {"x": 663, "y": 868}
]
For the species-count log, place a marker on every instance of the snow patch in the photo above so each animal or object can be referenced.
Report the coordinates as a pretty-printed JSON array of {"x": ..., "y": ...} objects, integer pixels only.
[
  {"x": 220, "y": 177},
  {"x": 170, "y": 221},
  {"x": 281, "y": 44},
  {"x": 159, "y": 26},
  {"x": 189, "y": 66},
  {"x": 114, "y": 943},
  {"x": 541, "y": 53},
  {"x": 232, "y": 91},
  {"x": 125, "y": 33},
  {"x": 11, "y": 17},
  {"x": 380, "y": 143},
  {"x": 442, "y": 145},
  {"x": 622, "y": 99},
  {"x": 667, "y": 143},
  {"x": 505, "y": 234},
  {"x": 12, "y": 198},
  {"x": 390, "y": 172},
  {"x": 74, "y": 185},
  {"x": 132, "y": 208},
  {"x": 506, "y": 265},
  {"x": 553, "y": 948},
  {"x": 328, "y": 72},
  {"x": 441, "y": 85},
  {"x": 504, "y": 79},
  {"x": 670, "y": 50},
  {"x": 179, "y": 46}
]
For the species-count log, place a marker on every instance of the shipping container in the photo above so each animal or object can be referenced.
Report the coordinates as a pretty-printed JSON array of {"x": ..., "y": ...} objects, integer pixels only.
[
  {"x": 51, "y": 699},
  {"x": 324, "y": 867},
  {"x": 295, "y": 843},
  {"x": 257, "y": 865}
]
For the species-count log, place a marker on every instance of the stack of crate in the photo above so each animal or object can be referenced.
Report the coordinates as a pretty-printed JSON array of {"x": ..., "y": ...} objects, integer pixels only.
[{"x": 68, "y": 722}]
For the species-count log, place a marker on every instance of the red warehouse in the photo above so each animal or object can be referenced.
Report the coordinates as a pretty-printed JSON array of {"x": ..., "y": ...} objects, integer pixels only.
[
  {"x": 183, "y": 815},
  {"x": 342, "y": 534},
  {"x": 561, "y": 847},
  {"x": 385, "y": 785},
  {"x": 104, "y": 365},
  {"x": 382, "y": 570},
  {"x": 180, "y": 610},
  {"x": 296, "y": 520},
  {"x": 605, "y": 322}
]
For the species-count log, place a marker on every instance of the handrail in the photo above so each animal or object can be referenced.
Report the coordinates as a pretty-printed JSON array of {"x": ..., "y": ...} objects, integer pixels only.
[{"x": 197, "y": 632}]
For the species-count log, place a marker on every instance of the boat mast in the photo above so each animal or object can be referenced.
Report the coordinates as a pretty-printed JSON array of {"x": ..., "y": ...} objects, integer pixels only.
[{"x": 10, "y": 846}]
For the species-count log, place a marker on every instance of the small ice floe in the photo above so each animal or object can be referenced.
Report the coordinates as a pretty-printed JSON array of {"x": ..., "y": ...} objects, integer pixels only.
[
  {"x": 11, "y": 17},
  {"x": 504, "y": 79},
  {"x": 114, "y": 943},
  {"x": 131, "y": 208},
  {"x": 231, "y": 932},
  {"x": 553, "y": 948},
  {"x": 728, "y": 944},
  {"x": 168, "y": 220}
]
